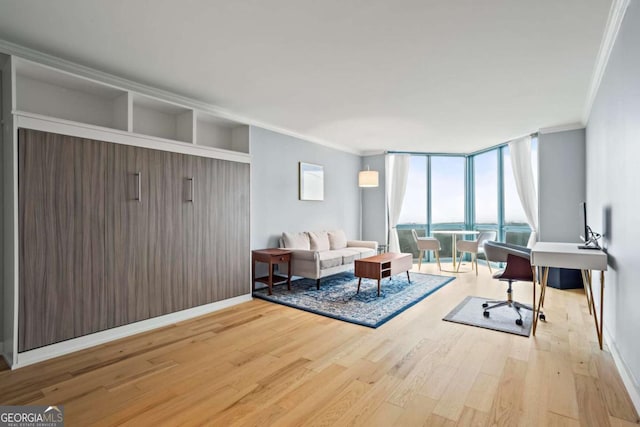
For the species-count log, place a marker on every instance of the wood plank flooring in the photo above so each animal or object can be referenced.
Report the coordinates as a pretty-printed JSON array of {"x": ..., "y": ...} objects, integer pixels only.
[{"x": 264, "y": 364}]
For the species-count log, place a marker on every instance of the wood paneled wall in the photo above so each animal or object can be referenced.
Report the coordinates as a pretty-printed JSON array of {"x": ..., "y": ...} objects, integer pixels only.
[{"x": 113, "y": 234}]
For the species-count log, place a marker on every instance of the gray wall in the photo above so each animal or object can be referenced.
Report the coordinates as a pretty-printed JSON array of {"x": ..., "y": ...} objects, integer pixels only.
[
  {"x": 2, "y": 278},
  {"x": 374, "y": 212},
  {"x": 561, "y": 184},
  {"x": 274, "y": 189},
  {"x": 613, "y": 178}
]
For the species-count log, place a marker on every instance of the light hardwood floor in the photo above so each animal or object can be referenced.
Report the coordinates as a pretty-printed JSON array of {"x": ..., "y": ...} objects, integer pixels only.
[{"x": 264, "y": 364}]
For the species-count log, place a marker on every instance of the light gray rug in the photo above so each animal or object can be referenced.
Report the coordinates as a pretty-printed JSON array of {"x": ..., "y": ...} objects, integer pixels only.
[{"x": 503, "y": 319}]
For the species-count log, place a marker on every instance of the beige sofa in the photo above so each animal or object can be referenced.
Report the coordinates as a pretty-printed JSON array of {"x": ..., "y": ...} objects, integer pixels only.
[{"x": 318, "y": 254}]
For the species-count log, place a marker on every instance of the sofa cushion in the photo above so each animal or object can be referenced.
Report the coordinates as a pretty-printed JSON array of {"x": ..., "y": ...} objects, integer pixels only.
[
  {"x": 329, "y": 259},
  {"x": 296, "y": 240},
  {"x": 348, "y": 255},
  {"x": 319, "y": 241},
  {"x": 337, "y": 239},
  {"x": 364, "y": 252}
]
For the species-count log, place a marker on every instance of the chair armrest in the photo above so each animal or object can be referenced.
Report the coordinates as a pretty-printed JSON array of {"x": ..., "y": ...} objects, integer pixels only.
[
  {"x": 498, "y": 252},
  {"x": 362, "y": 244},
  {"x": 304, "y": 254}
]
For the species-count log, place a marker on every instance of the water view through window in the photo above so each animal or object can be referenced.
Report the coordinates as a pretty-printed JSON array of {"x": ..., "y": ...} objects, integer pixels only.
[{"x": 463, "y": 192}]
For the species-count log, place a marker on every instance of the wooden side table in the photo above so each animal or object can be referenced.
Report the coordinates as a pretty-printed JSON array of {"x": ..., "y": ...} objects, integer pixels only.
[{"x": 271, "y": 257}]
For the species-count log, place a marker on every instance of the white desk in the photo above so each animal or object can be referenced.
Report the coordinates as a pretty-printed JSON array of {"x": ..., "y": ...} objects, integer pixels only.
[
  {"x": 454, "y": 249},
  {"x": 567, "y": 255}
]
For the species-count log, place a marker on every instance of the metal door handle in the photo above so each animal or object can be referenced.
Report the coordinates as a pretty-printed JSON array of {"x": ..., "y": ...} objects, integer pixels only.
[
  {"x": 138, "y": 186},
  {"x": 190, "y": 199}
]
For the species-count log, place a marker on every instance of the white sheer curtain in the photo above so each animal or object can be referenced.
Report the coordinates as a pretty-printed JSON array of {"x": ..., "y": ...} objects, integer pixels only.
[
  {"x": 397, "y": 172},
  {"x": 520, "y": 150}
]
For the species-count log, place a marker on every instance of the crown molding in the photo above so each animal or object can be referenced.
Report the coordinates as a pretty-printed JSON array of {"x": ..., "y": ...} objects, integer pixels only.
[
  {"x": 10, "y": 48},
  {"x": 561, "y": 128},
  {"x": 614, "y": 21},
  {"x": 368, "y": 153}
]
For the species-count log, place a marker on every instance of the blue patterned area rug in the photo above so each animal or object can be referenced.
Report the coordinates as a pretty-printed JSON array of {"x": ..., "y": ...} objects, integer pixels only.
[{"x": 337, "y": 297}]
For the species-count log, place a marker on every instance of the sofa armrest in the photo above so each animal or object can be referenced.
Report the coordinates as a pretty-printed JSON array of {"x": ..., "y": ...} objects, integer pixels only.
[
  {"x": 363, "y": 244},
  {"x": 304, "y": 254}
]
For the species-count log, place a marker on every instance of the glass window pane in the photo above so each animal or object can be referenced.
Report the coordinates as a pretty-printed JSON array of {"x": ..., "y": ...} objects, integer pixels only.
[
  {"x": 517, "y": 237},
  {"x": 407, "y": 244},
  {"x": 485, "y": 170},
  {"x": 414, "y": 206},
  {"x": 447, "y": 189}
]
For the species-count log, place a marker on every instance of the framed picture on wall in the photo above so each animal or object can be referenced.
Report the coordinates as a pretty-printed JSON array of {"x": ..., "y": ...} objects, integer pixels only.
[{"x": 311, "y": 181}]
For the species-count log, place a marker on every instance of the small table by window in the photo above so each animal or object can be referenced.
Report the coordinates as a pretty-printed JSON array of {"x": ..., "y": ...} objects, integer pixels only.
[
  {"x": 272, "y": 257},
  {"x": 454, "y": 249}
]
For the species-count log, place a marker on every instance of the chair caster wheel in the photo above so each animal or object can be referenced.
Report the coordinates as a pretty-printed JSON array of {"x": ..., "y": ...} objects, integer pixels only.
[
  {"x": 519, "y": 322},
  {"x": 485, "y": 305},
  {"x": 542, "y": 317},
  {"x": 486, "y": 313}
]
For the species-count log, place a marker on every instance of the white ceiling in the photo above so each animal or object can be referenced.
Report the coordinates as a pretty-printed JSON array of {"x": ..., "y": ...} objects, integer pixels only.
[{"x": 417, "y": 75}]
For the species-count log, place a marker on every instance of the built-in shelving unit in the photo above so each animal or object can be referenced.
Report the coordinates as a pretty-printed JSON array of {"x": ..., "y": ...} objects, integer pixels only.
[
  {"x": 162, "y": 119},
  {"x": 212, "y": 131},
  {"x": 55, "y": 94},
  {"x": 49, "y": 92}
]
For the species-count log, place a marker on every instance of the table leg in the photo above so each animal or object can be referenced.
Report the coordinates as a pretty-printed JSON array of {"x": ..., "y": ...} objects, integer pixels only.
[
  {"x": 253, "y": 274},
  {"x": 454, "y": 251},
  {"x": 378, "y": 287},
  {"x": 408, "y": 278},
  {"x": 543, "y": 285},
  {"x": 270, "y": 280},
  {"x": 289, "y": 274},
  {"x": 359, "y": 281}
]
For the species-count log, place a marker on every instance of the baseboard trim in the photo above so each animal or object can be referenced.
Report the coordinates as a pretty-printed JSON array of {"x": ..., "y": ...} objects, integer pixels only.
[
  {"x": 627, "y": 377},
  {"x": 55, "y": 350}
]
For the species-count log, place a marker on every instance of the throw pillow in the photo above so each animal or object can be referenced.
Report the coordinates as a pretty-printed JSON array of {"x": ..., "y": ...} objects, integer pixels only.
[
  {"x": 319, "y": 241},
  {"x": 296, "y": 240},
  {"x": 337, "y": 239}
]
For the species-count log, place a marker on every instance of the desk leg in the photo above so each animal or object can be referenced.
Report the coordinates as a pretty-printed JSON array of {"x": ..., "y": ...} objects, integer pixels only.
[
  {"x": 543, "y": 286},
  {"x": 601, "y": 308},
  {"x": 586, "y": 282},
  {"x": 598, "y": 321},
  {"x": 535, "y": 278},
  {"x": 543, "y": 291}
]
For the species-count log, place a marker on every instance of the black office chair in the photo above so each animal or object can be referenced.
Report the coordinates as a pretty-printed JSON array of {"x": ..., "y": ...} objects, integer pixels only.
[{"x": 518, "y": 268}]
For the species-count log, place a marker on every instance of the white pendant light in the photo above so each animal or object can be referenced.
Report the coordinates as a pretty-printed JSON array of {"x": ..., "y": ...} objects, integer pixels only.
[{"x": 368, "y": 178}]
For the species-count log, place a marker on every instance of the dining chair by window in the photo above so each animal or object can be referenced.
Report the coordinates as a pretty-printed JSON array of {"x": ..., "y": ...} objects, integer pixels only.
[
  {"x": 475, "y": 247},
  {"x": 426, "y": 244}
]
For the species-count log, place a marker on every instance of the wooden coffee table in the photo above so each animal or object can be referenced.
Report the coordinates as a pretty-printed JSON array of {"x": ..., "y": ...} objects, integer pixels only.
[{"x": 384, "y": 265}]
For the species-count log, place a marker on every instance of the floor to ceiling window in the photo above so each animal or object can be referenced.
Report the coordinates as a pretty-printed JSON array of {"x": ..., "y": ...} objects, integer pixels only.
[{"x": 449, "y": 192}]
